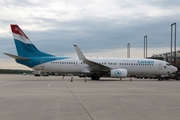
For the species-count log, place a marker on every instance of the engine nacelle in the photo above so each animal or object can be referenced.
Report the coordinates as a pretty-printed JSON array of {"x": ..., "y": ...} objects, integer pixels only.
[{"x": 118, "y": 73}]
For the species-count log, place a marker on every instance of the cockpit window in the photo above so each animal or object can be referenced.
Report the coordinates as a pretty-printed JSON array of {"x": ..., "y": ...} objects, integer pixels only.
[{"x": 168, "y": 64}]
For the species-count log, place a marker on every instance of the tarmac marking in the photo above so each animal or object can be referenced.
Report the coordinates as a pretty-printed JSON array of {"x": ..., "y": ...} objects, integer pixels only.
[
  {"x": 79, "y": 102},
  {"x": 49, "y": 84},
  {"x": 8, "y": 84}
]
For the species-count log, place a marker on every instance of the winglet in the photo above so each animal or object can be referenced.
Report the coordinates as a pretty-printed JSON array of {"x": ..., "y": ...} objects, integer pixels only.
[
  {"x": 79, "y": 53},
  {"x": 92, "y": 65}
]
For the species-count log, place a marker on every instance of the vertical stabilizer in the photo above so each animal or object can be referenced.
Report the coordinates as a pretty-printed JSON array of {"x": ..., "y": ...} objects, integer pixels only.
[{"x": 24, "y": 46}]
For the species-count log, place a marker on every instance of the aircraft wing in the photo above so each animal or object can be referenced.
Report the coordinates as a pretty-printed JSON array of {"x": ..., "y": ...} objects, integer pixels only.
[{"x": 93, "y": 66}]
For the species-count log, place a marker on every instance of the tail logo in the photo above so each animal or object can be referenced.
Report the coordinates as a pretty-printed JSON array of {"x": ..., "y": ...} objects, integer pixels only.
[
  {"x": 15, "y": 29},
  {"x": 19, "y": 34}
]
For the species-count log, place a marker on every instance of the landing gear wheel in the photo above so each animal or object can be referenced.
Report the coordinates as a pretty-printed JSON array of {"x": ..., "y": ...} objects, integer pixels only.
[{"x": 95, "y": 77}]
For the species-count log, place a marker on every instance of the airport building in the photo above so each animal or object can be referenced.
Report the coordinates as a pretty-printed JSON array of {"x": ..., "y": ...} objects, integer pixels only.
[{"x": 173, "y": 59}]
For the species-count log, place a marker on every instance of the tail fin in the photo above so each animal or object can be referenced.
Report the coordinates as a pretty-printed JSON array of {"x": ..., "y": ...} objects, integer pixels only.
[{"x": 24, "y": 46}]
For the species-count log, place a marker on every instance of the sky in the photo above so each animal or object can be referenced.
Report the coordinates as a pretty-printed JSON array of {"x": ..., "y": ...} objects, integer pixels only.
[{"x": 101, "y": 28}]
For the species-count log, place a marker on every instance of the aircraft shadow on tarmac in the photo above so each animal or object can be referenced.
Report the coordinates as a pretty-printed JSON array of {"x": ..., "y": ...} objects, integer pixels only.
[{"x": 42, "y": 78}]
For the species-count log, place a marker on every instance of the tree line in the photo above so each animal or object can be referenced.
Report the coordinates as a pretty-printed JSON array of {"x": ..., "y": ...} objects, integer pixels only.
[{"x": 11, "y": 71}]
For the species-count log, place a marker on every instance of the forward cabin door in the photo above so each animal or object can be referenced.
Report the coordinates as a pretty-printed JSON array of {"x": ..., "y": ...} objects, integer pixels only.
[{"x": 160, "y": 65}]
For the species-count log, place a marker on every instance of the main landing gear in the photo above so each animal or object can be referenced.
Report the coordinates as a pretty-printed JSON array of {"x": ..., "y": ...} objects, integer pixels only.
[{"x": 95, "y": 77}]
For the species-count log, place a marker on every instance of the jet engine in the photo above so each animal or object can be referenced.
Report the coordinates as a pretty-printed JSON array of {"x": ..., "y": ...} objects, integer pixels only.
[{"x": 118, "y": 73}]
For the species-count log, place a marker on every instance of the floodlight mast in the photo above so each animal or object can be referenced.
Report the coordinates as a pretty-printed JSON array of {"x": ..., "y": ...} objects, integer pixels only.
[
  {"x": 145, "y": 46},
  {"x": 174, "y": 24}
]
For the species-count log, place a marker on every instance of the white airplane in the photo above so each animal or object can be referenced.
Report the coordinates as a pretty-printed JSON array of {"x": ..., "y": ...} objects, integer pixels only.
[{"x": 95, "y": 68}]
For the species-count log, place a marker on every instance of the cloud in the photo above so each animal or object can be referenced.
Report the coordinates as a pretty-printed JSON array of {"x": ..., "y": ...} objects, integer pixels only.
[{"x": 94, "y": 25}]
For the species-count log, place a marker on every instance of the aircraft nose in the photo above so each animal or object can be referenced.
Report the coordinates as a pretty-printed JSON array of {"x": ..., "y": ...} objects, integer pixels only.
[{"x": 174, "y": 69}]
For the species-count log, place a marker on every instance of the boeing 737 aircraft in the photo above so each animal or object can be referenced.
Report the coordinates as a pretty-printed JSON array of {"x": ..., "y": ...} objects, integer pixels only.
[{"x": 95, "y": 68}]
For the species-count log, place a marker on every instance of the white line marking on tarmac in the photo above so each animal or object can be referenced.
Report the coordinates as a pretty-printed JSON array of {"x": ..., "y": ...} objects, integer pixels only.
[
  {"x": 49, "y": 84},
  {"x": 8, "y": 84}
]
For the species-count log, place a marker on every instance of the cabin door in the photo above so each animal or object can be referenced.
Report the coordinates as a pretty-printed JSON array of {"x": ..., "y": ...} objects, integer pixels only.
[{"x": 160, "y": 65}]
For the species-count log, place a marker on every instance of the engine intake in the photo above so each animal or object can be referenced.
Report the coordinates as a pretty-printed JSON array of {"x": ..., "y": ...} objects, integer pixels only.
[{"x": 118, "y": 73}]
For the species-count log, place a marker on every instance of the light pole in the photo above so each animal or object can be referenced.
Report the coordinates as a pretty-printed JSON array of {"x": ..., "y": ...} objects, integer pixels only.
[
  {"x": 145, "y": 46},
  {"x": 128, "y": 50},
  {"x": 174, "y": 24}
]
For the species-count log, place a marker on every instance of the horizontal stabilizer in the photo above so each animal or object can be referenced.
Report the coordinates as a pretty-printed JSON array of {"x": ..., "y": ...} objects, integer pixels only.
[{"x": 16, "y": 57}]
